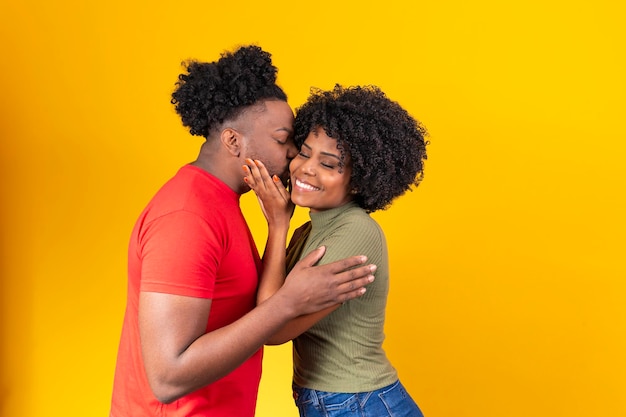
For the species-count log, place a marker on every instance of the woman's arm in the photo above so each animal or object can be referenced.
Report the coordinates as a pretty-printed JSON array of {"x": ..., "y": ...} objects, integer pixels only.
[{"x": 278, "y": 209}]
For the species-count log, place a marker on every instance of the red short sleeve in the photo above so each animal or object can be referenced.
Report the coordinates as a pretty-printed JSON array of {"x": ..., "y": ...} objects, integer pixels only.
[{"x": 180, "y": 255}]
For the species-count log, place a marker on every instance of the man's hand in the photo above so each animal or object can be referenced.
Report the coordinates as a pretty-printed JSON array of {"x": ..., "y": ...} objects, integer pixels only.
[{"x": 314, "y": 288}]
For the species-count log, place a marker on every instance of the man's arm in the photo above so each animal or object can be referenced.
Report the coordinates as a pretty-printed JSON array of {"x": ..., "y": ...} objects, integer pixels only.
[{"x": 180, "y": 358}]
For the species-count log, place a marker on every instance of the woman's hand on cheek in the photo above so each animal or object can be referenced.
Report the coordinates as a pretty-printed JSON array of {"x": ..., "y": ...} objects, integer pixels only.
[{"x": 273, "y": 197}]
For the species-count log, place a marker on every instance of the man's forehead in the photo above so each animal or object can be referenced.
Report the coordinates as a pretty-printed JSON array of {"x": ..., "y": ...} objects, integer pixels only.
[{"x": 278, "y": 117}]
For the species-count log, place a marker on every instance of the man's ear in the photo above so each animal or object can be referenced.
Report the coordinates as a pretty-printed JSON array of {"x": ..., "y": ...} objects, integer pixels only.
[{"x": 231, "y": 140}]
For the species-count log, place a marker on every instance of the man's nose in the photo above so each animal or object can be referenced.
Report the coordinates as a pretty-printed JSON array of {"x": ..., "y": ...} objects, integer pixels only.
[{"x": 292, "y": 151}]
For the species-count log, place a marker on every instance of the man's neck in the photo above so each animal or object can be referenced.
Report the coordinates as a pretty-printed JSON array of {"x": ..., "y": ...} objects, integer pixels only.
[{"x": 223, "y": 173}]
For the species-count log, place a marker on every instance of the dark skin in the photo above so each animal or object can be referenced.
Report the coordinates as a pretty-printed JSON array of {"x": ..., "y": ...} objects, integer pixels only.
[
  {"x": 179, "y": 357},
  {"x": 277, "y": 208}
]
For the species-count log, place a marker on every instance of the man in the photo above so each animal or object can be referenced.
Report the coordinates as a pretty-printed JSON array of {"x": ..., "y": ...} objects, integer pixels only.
[{"x": 192, "y": 337}]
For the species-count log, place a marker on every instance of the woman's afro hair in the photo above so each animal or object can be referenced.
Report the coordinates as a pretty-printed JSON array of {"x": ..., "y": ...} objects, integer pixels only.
[
  {"x": 210, "y": 93},
  {"x": 386, "y": 144}
]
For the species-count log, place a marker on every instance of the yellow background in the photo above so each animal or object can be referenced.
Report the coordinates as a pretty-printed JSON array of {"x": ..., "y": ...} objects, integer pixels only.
[{"x": 508, "y": 271}]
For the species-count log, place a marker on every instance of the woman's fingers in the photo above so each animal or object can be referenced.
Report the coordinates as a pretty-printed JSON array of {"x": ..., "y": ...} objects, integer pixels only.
[
  {"x": 262, "y": 174},
  {"x": 284, "y": 193},
  {"x": 259, "y": 179},
  {"x": 257, "y": 176},
  {"x": 249, "y": 178}
]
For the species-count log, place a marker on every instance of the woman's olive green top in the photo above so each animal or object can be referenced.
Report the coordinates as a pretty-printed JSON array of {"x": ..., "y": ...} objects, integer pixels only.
[{"x": 343, "y": 351}]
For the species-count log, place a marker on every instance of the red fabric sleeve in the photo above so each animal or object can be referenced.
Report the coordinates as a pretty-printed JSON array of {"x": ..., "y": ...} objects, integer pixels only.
[{"x": 181, "y": 255}]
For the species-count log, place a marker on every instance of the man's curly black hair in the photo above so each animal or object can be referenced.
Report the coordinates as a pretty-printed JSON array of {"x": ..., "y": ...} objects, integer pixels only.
[
  {"x": 385, "y": 143},
  {"x": 212, "y": 92}
]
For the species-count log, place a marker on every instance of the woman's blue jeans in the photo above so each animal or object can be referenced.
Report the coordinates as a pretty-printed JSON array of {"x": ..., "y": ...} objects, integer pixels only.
[{"x": 390, "y": 401}]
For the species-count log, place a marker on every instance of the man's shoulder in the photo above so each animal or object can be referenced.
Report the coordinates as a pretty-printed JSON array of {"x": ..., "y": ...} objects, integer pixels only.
[{"x": 194, "y": 191}]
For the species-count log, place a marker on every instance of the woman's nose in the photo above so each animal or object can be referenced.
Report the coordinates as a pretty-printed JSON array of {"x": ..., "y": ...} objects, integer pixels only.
[{"x": 307, "y": 168}]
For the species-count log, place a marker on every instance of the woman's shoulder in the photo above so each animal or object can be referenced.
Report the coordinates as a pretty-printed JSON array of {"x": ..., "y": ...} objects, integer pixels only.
[
  {"x": 358, "y": 221},
  {"x": 356, "y": 215},
  {"x": 360, "y": 234}
]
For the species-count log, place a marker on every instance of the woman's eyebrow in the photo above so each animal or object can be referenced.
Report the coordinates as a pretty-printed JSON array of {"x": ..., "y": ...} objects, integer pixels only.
[
  {"x": 304, "y": 145},
  {"x": 331, "y": 154}
]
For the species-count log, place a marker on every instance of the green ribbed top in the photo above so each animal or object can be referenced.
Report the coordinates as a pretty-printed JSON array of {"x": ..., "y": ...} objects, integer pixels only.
[{"x": 343, "y": 352}]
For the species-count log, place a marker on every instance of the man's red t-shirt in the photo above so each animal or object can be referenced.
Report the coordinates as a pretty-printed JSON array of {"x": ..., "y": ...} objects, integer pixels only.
[{"x": 191, "y": 240}]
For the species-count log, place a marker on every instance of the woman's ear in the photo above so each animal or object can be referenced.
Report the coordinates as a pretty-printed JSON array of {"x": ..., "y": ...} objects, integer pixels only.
[{"x": 231, "y": 140}]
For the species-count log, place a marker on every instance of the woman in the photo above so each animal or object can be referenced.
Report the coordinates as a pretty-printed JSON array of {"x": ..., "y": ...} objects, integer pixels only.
[{"x": 358, "y": 150}]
